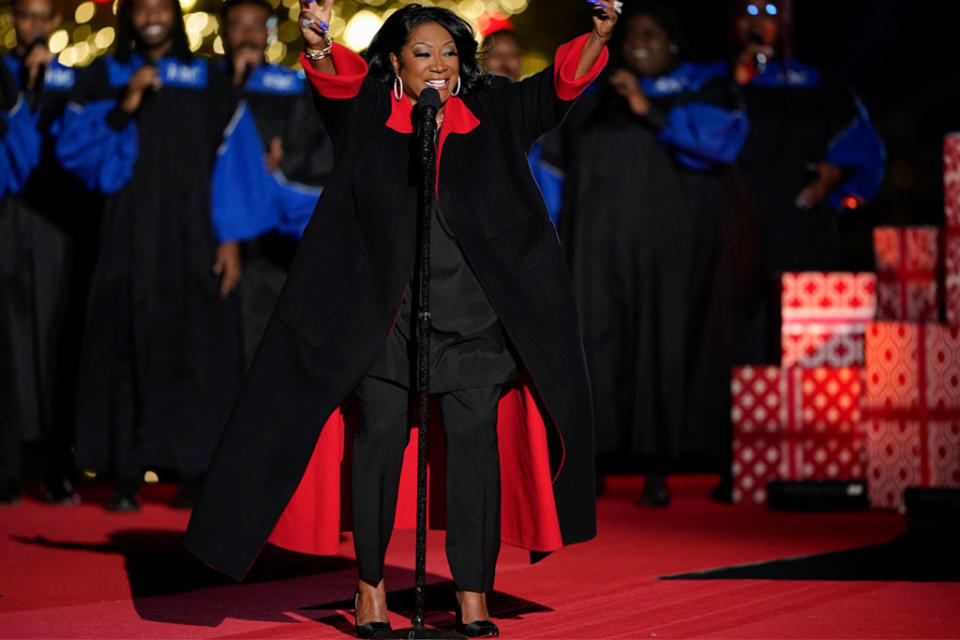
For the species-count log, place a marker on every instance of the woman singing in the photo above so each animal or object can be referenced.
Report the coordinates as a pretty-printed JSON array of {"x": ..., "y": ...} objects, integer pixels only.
[{"x": 506, "y": 353}]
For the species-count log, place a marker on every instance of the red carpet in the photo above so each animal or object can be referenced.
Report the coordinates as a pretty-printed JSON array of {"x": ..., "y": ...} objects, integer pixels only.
[{"x": 82, "y": 573}]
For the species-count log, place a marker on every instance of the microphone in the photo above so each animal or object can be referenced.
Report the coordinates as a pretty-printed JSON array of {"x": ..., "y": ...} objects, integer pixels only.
[
  {"x": 428, "y": 104},
  {"x": 760, "y": 59},
  {"x": 41, "y": 68}
]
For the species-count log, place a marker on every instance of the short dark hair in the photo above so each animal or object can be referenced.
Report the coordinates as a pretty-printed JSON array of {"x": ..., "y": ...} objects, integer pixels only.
[
  {"x": 54, "y": 5},
  {"x": 230, "y": 4},
  {"x": 127, "y": 35},
  {"x": 395, "y": 33},
  {"x": 668, "y": 20}
]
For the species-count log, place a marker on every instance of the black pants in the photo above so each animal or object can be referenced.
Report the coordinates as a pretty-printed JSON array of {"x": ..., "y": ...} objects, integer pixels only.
[{"x": 473, "y": 478}]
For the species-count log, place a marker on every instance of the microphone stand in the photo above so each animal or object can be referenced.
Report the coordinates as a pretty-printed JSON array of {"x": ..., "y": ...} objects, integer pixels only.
[{"x": 429, "y": 104}]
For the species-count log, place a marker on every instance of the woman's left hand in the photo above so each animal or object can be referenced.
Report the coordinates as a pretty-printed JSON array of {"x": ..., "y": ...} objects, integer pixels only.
[{"x": 604, "y": 19}]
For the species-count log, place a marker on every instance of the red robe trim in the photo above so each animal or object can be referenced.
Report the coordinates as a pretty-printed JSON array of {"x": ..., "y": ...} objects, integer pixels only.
[{"x": 311, "y": 521}]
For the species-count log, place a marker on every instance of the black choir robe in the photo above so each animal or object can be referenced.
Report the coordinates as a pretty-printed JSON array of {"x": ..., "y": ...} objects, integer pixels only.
[
  {"x": 282, "y": 108},
  {"x": 276, "y": 471},
  {"x": 652, "y": 228},
  {"x": 798, "y": 118},
  {"x": 47, "y": 245},
  {"x": 162, "y": 353}
]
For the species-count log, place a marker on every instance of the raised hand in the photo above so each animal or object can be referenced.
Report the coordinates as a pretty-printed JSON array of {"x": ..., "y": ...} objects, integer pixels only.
[
  {"x": 605, "y": 14},
  {"x": 315, "y": 22},
  {"x": 145, "y": 78},
  {"x": 39, "y": 56}
]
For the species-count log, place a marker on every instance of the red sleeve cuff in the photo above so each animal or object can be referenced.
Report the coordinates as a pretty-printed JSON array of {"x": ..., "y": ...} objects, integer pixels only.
[
  {"x": 565, "y": 64},
  {"x": 351, "y": 72}
]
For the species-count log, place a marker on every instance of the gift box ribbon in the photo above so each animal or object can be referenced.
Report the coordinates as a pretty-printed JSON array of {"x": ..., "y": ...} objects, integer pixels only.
[{"x": 922, "y": 413}]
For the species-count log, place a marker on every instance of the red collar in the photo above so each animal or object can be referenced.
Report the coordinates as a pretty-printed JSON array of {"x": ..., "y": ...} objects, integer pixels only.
[{"x": 457, "y": 117}]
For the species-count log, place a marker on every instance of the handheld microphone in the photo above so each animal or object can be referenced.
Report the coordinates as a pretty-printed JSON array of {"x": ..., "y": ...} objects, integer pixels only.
[
  {"x": 41, "y": 68},
  {"x": 428, "y": 105},
  {"x": 760, "y": 59}
]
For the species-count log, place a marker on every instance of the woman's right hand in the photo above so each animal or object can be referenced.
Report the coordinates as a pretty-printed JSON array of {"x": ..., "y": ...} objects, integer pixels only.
[{"x": 313, "y": 34}]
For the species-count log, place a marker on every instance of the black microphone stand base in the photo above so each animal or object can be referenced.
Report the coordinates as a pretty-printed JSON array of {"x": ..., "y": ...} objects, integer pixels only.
[{"x": 412, "y": 633}]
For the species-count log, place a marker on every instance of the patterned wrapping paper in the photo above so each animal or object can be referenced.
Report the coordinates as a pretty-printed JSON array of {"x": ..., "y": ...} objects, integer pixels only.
[
  {"x": 795, "y": 424},
  {"x": 951, "y": 201},
  {"x": 911, "y": 408},
  {"x": 824, "y": 316},
  {"x": 952, "y": 270},
  {"x": 951, "y": 178},
  {"x": 907, "y": 259}
]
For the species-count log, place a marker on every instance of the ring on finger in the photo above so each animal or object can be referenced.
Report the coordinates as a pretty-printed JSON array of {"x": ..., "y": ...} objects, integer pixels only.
[
  {"x": 618, "y": 6},
  {"x": 306, "y": 22}
]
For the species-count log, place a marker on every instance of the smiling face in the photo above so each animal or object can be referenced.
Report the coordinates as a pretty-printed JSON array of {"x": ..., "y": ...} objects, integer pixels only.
[
  {"x": 647, "y": 49},
  {"x": 153, "y": 22},
  {"x": 428, "y": 59},
  {"x": 246, "y": 28}
]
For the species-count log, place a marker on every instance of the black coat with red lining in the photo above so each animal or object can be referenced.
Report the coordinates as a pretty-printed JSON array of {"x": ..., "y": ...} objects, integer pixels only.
[{"x": 272, "y": 475}]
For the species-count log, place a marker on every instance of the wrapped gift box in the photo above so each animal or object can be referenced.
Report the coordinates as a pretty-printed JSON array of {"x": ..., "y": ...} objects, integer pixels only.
[
  {"x": 951, "y": 178},
  {"x": 951, "y": 200},
  {"x": 824, "y": 316},
  {"x": 952, "y": 269},
  {"x": 911, "y": 408},
  {"x": 794, "y": 424},
  {"x": 907, "y": 259}
]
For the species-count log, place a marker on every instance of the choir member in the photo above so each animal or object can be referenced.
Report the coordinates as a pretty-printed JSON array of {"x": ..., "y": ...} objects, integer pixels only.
[
  {"x": 298, "y": 151},
  {"x": 811, "y": 153},
  {"x": 46, "y": 249},
  {"x": 651, "y": 226},
  {"x": 162, "y": 352}
]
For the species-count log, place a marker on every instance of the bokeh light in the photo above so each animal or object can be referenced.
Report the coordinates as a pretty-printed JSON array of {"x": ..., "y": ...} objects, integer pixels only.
[
  {"x": 59, "y": 40},
  {"x": 85, "y": 12},
  {"x": 360, "y": 30},
  {"x": 87, "y": 32}
]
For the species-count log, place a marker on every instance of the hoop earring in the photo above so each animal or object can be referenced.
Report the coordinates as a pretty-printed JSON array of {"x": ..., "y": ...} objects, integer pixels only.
[
  {"x": 456, "y": 91},
  {"x": 397, "y": 88}
]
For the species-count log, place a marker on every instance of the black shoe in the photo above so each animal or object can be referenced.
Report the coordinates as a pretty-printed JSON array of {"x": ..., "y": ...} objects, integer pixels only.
[
  {"x": 9, "y": 492},
  {"x": 477, "y": 628},
  {"x": 59, "y": 491},
  {"x": 124, "y": 501},
  {"x": 723, "y": 492},
  {"x": 655, "y": 492},
  {"x": 369, "y": 629}
]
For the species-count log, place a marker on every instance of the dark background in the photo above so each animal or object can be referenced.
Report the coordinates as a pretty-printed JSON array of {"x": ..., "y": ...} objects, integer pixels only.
[{"x": 902, "y": 58}]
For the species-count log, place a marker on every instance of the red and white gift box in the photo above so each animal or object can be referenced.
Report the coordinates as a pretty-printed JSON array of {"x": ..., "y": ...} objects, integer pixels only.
[
  {"x": 907, "y": 259},
  {"x": 951, "y": 178},
  {"x": 911, "y": 408},
  {"x": 794, "y": 424},
  {"x": 951, "y": 200},
  {"x": 824, "y": 316}
]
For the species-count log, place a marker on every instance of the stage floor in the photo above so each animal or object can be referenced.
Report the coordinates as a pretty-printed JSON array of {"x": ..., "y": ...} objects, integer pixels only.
[{"x": 79, "y": 572}]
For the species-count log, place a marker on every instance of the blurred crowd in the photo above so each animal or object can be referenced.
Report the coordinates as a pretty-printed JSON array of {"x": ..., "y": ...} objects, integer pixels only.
[{"x": 151, "y": 204}]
